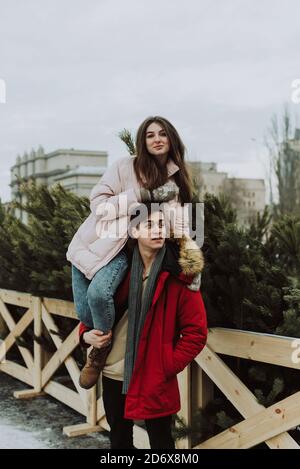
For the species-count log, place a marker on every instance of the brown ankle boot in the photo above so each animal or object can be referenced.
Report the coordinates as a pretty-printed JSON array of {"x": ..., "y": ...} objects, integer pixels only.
[{"x": 96, "y": 359}]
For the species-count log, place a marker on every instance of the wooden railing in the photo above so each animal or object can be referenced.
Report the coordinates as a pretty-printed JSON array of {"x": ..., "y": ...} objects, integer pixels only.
[{"x": 196, "y": 382}]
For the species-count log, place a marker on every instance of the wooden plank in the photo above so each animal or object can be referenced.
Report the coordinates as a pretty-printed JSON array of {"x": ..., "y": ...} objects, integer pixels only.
[
  {"x": 237, "y": 393},
  {"x": 140, "y": 438},
  {"x": 60, "y": 307},
  {"x": 100, "y": 409},
  {"x": 17, "y": 371},
  {"x": 16, "y": 330},
  {"x": 60, "y": 356},
  {"x": 28, "y": 394},
  {"x": 202, "y": 388},
  {"x": 81, "y": 429},
  {"x": 3, "y": 351},
  {"x": 70, "y": 363},
  {"x": 6, "y": 315},
  {"x": 66, "y": 396},
  {"x": 15, "y": 298},
  {"x": 262, "y": 426},
  {"x": 91, "y": 403},
  {"x": 266, "y": 348},
  {"x": 3, "y": 328},
  {"x": 184, "y": 383},
  {"x": 38, "y": 354},
  {"x": 104, "y": 424}
]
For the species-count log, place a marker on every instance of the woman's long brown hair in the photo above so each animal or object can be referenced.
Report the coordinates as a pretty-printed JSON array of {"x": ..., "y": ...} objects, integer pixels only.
[{"x": 156, "y": 175}]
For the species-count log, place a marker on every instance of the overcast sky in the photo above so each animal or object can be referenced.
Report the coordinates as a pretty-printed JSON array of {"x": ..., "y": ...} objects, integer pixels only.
[{"x": 77, "y": 72}]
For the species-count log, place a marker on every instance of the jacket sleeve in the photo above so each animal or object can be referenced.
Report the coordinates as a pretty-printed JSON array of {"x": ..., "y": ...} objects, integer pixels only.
[
  {"x": 82, "y": 329},
  {"x": 192, "y": 327},
  {"x": 107, "y": 198}
]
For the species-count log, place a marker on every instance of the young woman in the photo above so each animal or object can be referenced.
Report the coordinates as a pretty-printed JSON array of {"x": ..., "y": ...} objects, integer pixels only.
[{"x": 99, "y": 262}]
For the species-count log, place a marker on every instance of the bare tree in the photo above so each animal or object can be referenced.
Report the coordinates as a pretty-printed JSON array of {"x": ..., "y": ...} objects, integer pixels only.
[
  {"x": 234, "y": 191},
  {"x": 284, "y": 164}
]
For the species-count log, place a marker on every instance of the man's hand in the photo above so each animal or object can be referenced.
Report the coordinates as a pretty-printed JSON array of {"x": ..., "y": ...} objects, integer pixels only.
[{"x": 97, "y": 338}]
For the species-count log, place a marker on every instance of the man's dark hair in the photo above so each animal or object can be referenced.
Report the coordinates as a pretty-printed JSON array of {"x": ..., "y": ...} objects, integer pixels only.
[
  {"x": 143, "y": 211},
  {"x": 140, "y": 212}
]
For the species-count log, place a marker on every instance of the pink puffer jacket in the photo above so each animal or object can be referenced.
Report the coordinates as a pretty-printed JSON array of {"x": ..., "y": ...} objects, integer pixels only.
[{"x": 99, "y": 239}]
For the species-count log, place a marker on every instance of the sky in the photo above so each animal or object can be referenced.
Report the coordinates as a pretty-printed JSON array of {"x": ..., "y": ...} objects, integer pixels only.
[{"x": 78, "y": 72}]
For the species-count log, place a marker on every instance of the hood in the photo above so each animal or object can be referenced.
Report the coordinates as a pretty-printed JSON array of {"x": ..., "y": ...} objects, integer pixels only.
[{"x": 183, "y": 259}]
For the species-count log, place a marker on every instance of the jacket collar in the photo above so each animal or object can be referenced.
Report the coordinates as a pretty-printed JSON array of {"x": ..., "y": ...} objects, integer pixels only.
[
  {"x": 183, "y": 260},
  {"x": 172, "y": 167}
]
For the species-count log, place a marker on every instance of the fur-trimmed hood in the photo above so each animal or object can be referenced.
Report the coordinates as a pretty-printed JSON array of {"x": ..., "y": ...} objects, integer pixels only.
[
  {"x": 191, "y": 258},
  {"x": 184, "y": 259}
]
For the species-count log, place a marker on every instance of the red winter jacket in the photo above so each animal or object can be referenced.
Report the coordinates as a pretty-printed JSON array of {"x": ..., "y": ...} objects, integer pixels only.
[{"x": 174, "y": 333}]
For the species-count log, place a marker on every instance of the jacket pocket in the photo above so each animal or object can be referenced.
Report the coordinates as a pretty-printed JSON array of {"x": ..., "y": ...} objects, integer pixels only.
[{"x": 168, "y": 360}]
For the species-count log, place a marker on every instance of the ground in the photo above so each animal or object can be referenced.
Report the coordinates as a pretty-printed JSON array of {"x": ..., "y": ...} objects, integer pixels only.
[{"x": 38, "y": 422}]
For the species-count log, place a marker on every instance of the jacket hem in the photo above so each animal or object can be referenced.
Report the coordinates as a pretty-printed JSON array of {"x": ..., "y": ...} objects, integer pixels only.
[{"x": 143, "y": 416}]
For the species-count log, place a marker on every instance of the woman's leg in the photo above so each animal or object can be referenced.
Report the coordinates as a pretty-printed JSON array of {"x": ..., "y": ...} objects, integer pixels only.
[
  {"x": 80, "y": 286},
  {"x": 121, "y": 430},
  {"x": 159, "y": 432},
  {"x": 100, "y": 294}
]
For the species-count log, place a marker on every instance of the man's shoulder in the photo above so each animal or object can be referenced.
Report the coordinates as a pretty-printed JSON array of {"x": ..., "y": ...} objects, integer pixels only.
[{"x": 186, "y": 288}]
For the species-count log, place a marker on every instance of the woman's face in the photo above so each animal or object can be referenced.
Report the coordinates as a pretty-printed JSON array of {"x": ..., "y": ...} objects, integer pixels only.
[{"x": 157, "y": 141}]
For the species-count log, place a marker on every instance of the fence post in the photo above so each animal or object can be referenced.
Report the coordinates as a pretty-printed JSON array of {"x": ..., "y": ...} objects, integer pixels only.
[
  {"x": 202, "y": 388},
  {"x": 184, "y": 381},
  {"x": 37, "y": 349},
  {"x": 91, "y": 415},
  {"x": 36, "y": 305}
]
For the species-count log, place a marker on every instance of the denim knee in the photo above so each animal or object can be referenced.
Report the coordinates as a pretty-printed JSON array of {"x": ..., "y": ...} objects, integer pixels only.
[
  {"x": 79, "y": 286},
  {"x": 100, "y": 293},
  {"x": 97, "y": 295}
]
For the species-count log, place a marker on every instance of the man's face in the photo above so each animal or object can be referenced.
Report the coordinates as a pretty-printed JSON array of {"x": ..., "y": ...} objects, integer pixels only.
[{"x": 151, "y": 232}]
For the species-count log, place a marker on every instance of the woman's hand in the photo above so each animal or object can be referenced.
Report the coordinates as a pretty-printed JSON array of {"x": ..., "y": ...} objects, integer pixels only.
[
  {"x": 161, "y": 194},
  {"x": 166, "y": 192},
  {"x": 97, "y": 338}
]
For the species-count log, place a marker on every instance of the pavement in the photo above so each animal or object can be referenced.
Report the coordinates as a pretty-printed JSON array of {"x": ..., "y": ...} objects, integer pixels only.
[{"x": 38, "y": 422}]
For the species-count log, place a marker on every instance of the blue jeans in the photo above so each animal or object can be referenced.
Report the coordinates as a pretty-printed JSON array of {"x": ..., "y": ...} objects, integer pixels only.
[{"x": 94, "y": 299}]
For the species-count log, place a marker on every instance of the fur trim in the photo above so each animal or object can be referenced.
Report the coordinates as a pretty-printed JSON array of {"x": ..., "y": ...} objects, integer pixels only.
[
  {"x": 191, "y": 258},
  {"x": 196, "y": 283}
]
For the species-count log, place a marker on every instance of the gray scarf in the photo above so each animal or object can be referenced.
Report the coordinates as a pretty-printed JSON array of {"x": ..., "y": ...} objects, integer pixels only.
[{"x": 138, "y": 307}]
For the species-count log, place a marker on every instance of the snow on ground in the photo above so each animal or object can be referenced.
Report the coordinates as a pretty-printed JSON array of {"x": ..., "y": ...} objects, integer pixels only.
[
  {"x": 14, "y": 438},
  {"x": 38, "y": 422}
]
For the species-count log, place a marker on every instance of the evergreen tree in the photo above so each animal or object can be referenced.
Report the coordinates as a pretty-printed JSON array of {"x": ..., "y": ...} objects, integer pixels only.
[
  {"x": 241, "y": 287},
  {"x": 39, "y": 247}
]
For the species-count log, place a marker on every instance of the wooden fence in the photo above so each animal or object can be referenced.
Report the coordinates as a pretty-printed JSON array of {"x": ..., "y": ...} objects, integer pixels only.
[{"x": 196, "y": 382}]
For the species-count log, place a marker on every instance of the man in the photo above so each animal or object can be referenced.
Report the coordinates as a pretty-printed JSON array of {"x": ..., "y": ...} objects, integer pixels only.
[{"x": 160, "y": 328}]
